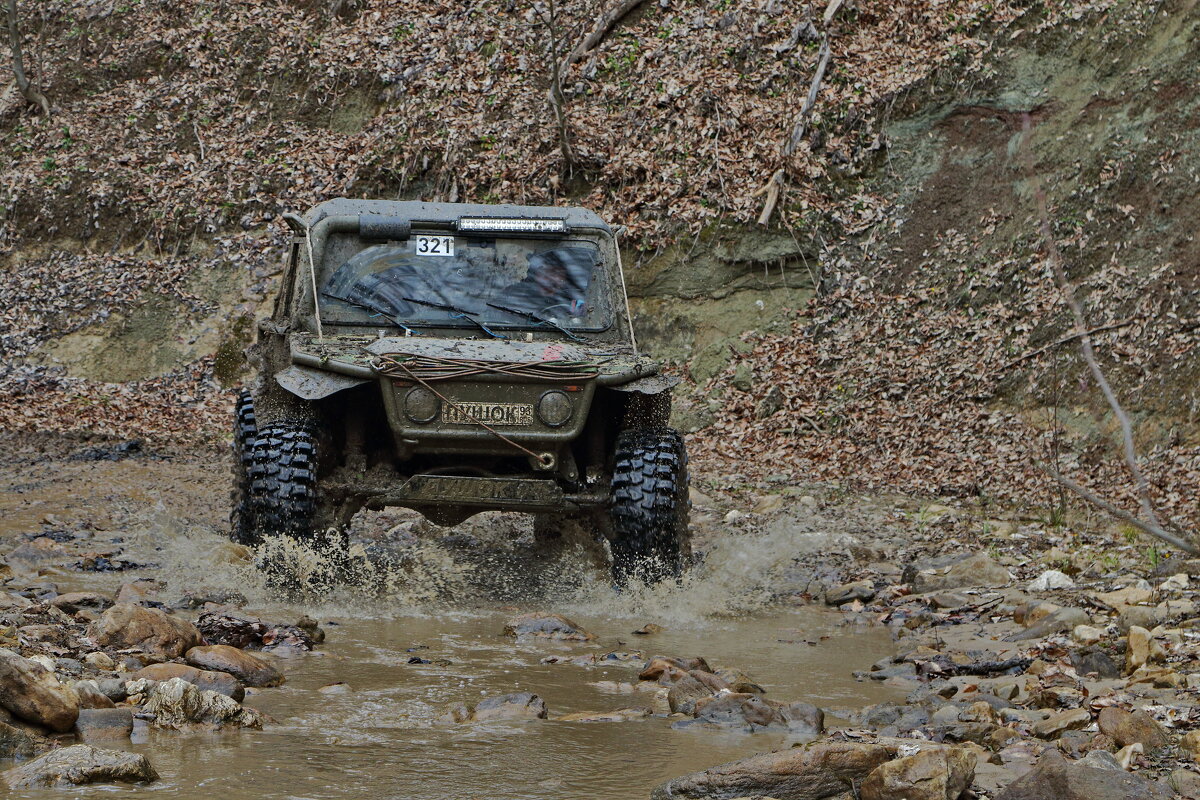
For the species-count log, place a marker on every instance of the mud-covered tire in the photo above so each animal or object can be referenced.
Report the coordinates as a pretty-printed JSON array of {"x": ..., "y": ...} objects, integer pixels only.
[
  {"x": 245, "y": 431},
  {"x": 283, "y": 481},
  {"x": 649, "y": 534}
]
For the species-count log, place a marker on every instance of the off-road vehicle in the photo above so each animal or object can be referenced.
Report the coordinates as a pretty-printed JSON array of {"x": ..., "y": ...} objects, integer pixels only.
[{"x": 453, "y": 359}]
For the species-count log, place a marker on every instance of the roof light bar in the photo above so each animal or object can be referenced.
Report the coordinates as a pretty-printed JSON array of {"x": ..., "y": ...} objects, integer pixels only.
[{"x": 510, "y": 225}]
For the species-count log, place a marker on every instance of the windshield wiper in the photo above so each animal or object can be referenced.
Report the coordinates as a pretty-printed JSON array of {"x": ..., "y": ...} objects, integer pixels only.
[
  {"x": 458, "y": 312},
  {"x": 377, "y": 309},
  {"x": 543, "y": 320}
]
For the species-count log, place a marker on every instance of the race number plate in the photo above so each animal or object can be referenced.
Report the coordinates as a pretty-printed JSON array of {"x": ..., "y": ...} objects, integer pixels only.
[
  {"x": 489, "y": 413},
  {"x": 434, "y": 245}
]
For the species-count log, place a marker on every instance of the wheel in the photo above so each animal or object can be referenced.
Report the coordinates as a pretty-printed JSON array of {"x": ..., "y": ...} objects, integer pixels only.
[
  {"x": 245, "y": 431},
  {"x": 283, "y": 481},
  {"x": 649, "y": 537}
]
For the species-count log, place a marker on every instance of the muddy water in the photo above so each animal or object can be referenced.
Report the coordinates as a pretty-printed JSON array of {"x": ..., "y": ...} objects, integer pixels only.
[{"x": 444, "y": 597}]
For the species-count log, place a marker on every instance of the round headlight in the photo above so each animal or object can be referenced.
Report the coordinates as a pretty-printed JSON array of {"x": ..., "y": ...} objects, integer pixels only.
[
  {"x": 421, "y": 405},
  {"x": 554, "y": 408}
]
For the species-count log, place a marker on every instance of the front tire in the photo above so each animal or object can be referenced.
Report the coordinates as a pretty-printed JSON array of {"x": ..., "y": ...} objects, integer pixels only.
[
  {"x": 650, "y": 536},
  {"x": 245, "y": 431},
  {"x": 283, "y": 482}
]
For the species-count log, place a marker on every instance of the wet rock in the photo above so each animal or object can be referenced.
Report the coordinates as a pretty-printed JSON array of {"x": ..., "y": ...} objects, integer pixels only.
[
  {"x": 218, "y": 597},
  {"x": 143, "y": 591},
  {"x": 456, "y": 712},
  {"x": 250, "y": 670},
  {"x": 72, "y": 602},
  {"x": 649, "y": 628},
  {"x": 77, "y": 765},
  {"x": 935, "y": 773},
  {"x": 154, "y": 631},
  {"x": 211, "y": 681},
  {"x": 620, "y": 715},
  {"x": 659, "y": 666},
  {"x": 1136, "y": 727},
  {"x": 33, "y": 693},
  {"x": 862, "y": 591},
  {"x": 1055, "y": 777},
  {"x": 18, "y": 743},
  {"x": 520, "y": 705},
  {"x": 243, "y": 631},
  {"x": 1049, "y": 580},
  {"x": 341, "y": 687},
  {"x": 1060, "y": 721},
  {"x": 816, "y": 771},
  {"x": 547, "y": 626},
  {"x": 177, "y": 703},
  {"x": 975, "y": 570},
  {"x": 90, "y": 695},
  {"x": 739, "y": 681},
  {"x": 311, "y": 627},
  {"x": 1089, "y": 661},
  {"x": 685, "y": 693},
  {"x": 104, "y": 723},
  {"x": 751, "y": 712}
]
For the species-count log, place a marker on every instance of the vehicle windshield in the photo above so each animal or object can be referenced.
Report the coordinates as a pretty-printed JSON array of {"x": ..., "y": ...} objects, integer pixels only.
[{"x": 448, "y": 281}]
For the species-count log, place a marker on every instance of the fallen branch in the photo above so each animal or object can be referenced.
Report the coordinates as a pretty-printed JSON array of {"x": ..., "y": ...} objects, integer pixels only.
[
  {"x": 1064, "y": 340},
  {"x": 32, "y": 94},
  {"x": 1085, "y": 341},
  {"x": 603, "y": 25},
  {"x": 806, "y": 111},
  {"x": 1120, "y": 513},
  {"x": 772, "y": 189}
]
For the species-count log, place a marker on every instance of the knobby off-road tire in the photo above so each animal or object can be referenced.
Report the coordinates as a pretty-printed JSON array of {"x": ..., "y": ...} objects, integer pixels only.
[
  {"x": 283, "y": 481},
  {"x": 650, "y": 538},
  {"x": 245, "y": 431}
]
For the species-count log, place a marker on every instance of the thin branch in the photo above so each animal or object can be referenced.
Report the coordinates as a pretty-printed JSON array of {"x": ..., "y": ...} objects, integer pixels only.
[
  {"x": 772, "y": 189},
  {"x": 1120, "y": 513},
  {"x": 806, "y": 111},
  {"x": 604, "y": 23},
  {"x": 1035, "y": 353},
  {"x": 1081, "y": 326},
  {"x": 32, "y": 94},
  {"x": 558, "y": 100}
]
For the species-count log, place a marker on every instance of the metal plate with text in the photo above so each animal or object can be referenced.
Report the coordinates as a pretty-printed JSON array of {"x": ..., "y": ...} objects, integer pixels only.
[
  {"x": 488, "y": 413},
  {"x": 481, "y": 491}
]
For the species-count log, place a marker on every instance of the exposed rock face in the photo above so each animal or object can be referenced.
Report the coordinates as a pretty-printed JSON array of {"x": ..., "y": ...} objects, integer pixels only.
[
  {"x": 547, "y": 626},
  {"x": 938, "y": 773},
  {"x": 814, "y": 772},
  {"x": 176, "y": 703},
  {"x": 521, "y": 705},
  {"x": 33, "y": 693},
  {"x": 975, "y": 570},
  {"x": 104, "y": 723},
  {"x": 249, "y": 669},
  {"x": 78, "y": 765},
  {"x": 219, "y": 682},
  {"x": 126, "y": 626},
  {"x": 1055, "y": 778},
  {"x": 1136, "y": 727}
]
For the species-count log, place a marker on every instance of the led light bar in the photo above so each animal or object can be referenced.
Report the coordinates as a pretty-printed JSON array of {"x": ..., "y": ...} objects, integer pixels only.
[{"x": 510, "y": 225}]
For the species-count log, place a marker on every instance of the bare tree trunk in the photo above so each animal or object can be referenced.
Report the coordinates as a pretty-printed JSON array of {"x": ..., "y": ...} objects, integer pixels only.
[
  {"x": 558, "y": 100},
  {"x": 33, "y": 95}
]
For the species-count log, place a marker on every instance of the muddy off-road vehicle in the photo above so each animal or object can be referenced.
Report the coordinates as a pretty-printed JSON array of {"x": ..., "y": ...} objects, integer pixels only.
[{"x": 453, "y": 359}]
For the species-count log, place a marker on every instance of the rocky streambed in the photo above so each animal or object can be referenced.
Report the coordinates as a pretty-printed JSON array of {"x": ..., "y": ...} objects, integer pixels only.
[{"x": 828, "y": 646}]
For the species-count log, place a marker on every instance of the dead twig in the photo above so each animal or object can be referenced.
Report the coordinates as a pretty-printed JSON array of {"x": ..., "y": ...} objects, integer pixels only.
[
  {"x": 1063, "y": 340},
  {"x": 1120, "y": 513},
  {"x": 772, "y": 188}
]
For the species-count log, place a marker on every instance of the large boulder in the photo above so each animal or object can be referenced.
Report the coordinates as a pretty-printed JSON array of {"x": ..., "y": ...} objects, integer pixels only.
[
  {"x": 77, "y": 765},
  {"x": 219, "y": 682},
  {"x": 1055, "y": 777},
  {"x": 520, "y": 705},
  {"x": 813, "y": 772},
  {"x": 154, "y": 631},
  {"x": 33, "y": 693},
  {"x": 975, "y": 570},
  {"x": 177, "y": 703},
  {"x": 936, "y": 773},
  {"x": 547, "y": 626},
  {"x": 249, "y": 669},
  {"x": 1133, "y": 727}
]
